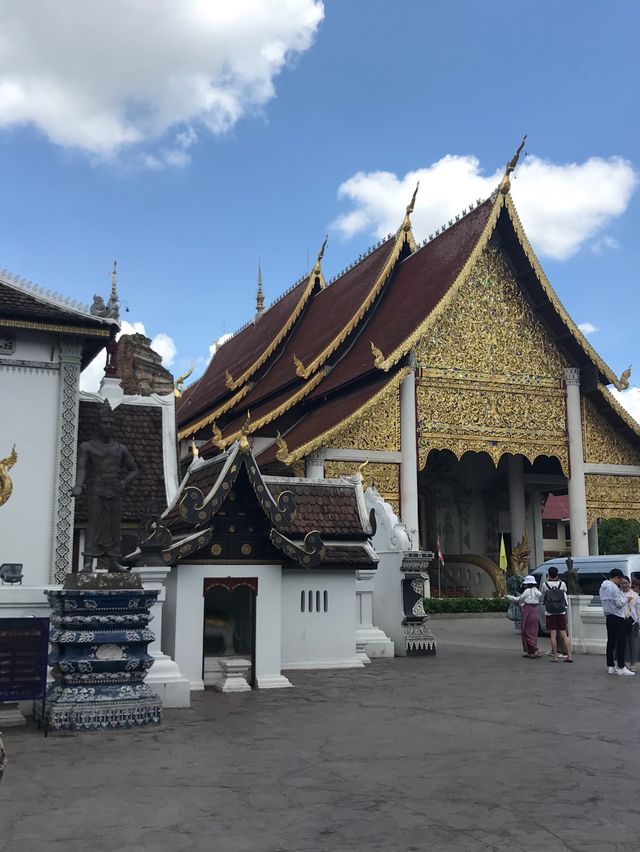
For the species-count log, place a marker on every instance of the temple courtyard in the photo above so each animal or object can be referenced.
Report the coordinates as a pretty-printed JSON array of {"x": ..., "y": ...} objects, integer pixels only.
[{"x": 475, "y": 749}]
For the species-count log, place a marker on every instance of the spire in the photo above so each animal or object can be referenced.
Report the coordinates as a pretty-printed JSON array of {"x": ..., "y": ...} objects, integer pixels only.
[
  {"x": 113, "y": 305},
  {"x": 505, "y": 183},
  {"x": 317, "y": 269},
  {"x": 260, "y": 294},
  {"x": 406, "y": 224}
]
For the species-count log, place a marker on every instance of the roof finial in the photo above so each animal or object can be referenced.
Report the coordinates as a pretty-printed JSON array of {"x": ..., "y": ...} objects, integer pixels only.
[
  {"x": 316, "y": 268},
  {"x": 505, "y": 183},
  {"x": 260, "y": 294},
  {"x": 406, "y": 224}
]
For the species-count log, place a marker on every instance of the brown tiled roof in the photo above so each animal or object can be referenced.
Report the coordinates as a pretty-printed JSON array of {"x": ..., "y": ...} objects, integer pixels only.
[
  {"x": 238, "y": 354},
  {"x": 204, "y": 478},
  {"x": 139, "y": 428},
  {"x": 328, "y": 414},
  {"x": 332, "y": 509},
  {"x": 324, "y": 318}
]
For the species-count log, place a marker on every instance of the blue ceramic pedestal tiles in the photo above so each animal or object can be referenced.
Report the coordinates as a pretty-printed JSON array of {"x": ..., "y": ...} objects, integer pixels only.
[{"x": 99, "y": 660}]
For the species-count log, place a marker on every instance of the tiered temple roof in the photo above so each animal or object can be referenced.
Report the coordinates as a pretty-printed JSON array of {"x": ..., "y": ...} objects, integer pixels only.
[{"x": 323, "y": 354}]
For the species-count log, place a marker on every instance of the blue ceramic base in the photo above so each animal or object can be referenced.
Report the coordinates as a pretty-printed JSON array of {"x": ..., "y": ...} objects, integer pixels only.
[{"x": 99, "y": 659}]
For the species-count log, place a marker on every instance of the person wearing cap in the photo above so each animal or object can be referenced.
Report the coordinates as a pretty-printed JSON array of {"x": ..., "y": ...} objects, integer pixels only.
[
  {"x": 528, "y": 602},
  {"x": 614, "y": 605}
]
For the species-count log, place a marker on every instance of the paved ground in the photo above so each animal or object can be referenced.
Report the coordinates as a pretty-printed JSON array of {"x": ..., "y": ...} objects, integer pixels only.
[{"x": 476, "y": 749}]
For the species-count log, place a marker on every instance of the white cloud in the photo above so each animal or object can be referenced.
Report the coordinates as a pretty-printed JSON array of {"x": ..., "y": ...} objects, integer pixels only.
[
  {"x": 561, "y": 206},
  {"x": 587, "y": 327},
  {"x": 604, "y": 242},
  {"x": 629, "y": 399},
  {"x": 162, "y": 343},
  {"x": 217, "y": 344},
  {"x": 103, "y": 75}
]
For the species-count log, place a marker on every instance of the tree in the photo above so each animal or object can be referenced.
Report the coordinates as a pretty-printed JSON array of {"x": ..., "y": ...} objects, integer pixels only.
[{"x": 618, "y": 535}]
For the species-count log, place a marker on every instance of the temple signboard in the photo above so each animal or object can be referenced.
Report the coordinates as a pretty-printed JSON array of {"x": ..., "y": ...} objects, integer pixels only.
[{"x": 24, "y": 646}]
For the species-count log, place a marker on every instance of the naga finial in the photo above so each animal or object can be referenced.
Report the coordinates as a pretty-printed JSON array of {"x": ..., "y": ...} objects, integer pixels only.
[
  {"x": 300, "y": 368},
  {"x": 194, "y": 448},
  {"x": 228, "y": 379},
  {"x": 378, "y": 357},
  {"x": 6, "y": 486},
  {"x": 505, "y": 183},
  {"x": 216, "y": 436},
  {"x": 406, "y": 224},
  {"x": 361, "y": 468},
  {"x": 283, "y": 450},
  {"x": 178, "y": 385},
  {"x": 623, "y": 381}
]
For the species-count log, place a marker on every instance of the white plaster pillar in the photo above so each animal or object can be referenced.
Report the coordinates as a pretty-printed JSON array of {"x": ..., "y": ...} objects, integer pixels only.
[
  {"x": 66, "y": 451},
  {"x": 372, "y": 640},
  {"x": 111, "y": 389},
  {"x": 517, "y": 511},
  {"x": 164, "y": 676},
  {"x": 409, "y": 464},
  {"x": 535, "y": 503},
  {"x": 594, "y": 547},
  {"x": 577, "y": 492},
  {"x": 314, "y": 464}
]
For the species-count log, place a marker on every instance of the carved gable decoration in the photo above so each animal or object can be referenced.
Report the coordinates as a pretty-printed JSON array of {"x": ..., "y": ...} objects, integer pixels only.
[
  {"x": 490, "y": 379},
  {"x": 612, "y": 497},
  {"x": 378, "y": 428},
  {"x": 602, "y": 443},
  {"x": 382, "y": 476}
]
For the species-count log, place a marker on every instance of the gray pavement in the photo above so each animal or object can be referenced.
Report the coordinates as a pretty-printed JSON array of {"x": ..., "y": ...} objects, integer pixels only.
[{"x": 475, "y": 749}]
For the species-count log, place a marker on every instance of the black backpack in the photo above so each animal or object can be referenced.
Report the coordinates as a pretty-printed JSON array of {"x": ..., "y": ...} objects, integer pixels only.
[{"x": 554, "y": 600}]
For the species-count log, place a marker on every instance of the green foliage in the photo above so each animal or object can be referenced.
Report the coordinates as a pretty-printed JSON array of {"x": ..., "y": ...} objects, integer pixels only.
[
  {"x": 617, "y": 535},
  {"x": 465, "y": 604}
]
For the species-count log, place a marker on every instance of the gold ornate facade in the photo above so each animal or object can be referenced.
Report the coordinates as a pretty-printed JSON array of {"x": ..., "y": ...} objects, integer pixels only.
[
  {"x": 378, "y": 428},
  {"x": 490, "y": 380},
  {"x": 384, "y": 477},
  {"x": 612, "y": 496},
  {"x": 602, "y": 444}
]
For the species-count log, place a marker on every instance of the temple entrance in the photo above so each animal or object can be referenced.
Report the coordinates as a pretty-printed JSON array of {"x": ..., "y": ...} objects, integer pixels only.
[{"x": 229, "y": 628}]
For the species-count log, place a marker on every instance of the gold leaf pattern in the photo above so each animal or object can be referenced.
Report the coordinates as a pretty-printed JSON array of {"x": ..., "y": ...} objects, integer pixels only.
[
  {"x": 384, "y": 477},
  {"x": 602, "y": 444},
  {"x": 612, "y": 496},
  {"x": 377, "y": 429}
]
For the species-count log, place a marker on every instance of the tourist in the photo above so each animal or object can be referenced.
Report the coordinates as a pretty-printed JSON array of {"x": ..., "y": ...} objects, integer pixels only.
[
  {"x": 630, "y": 622},
  {"x": 614, "y": 605},
  {"x": 556, "y": 604},
  {"x": 528, "y": 602}
]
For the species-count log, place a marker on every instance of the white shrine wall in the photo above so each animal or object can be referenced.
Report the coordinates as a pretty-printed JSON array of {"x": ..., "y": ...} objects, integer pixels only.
[
  {"x": 29, "y": 383},
  {"x": 319, "y": 620}
]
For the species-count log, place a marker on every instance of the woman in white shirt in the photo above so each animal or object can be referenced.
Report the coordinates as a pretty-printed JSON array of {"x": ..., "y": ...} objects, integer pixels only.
[{"x": 528, "y": 602}]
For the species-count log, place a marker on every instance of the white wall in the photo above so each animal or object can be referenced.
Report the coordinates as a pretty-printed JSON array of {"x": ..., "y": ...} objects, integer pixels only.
[
  {"x": 313, "y": 639},
  {"x": 478, "y": 582},
  {"x": 184, "y": 614},
  {"x": 30, "y": 421}
]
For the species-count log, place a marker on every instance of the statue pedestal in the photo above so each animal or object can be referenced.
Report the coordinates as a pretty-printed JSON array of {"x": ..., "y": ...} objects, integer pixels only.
[
  {"x": 99, "y": 660},
  {"x": 234, "y": 676}
]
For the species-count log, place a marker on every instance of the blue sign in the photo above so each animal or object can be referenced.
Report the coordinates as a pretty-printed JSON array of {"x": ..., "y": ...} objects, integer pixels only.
[{"x": 24, "y": 644}]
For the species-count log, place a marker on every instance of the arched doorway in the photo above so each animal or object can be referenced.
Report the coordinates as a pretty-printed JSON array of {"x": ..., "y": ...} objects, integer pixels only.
[{"x": 229, "y": 623}]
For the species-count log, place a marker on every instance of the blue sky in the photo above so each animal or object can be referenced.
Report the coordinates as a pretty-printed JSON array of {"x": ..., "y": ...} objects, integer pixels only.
[{"x": 110, "y": 150}]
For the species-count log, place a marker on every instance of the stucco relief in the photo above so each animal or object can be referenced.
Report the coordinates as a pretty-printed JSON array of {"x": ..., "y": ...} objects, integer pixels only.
[
  {"x": 490, "y": 379},
  {"x": 602, "y": 444},
  {"x": 612, "y": 497}
]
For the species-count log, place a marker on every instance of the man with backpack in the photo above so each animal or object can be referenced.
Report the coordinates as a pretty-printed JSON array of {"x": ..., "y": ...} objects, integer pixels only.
[{"x": 556, "y": 603}]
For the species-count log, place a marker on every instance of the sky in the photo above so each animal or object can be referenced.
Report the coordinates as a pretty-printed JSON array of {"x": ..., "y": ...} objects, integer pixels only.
[{"x": 190, "y": 141}]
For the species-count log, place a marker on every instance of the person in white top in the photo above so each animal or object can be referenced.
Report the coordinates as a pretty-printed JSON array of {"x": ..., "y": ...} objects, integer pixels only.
[
  {"x": 614, "y": 605},
  {"x": 528, "y": 601},
  {"x": 630, "y": 622},
  {"x": 556, "y": 603}
]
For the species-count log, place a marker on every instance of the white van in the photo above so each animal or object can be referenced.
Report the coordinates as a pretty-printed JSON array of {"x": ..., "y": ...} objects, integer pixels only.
[{"x": 591, "y": 570}]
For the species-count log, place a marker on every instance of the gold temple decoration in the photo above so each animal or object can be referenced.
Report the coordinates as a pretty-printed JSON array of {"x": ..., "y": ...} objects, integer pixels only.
[
  {"x": 378, "y": 357},
  {"x": 612, "y": 497},
  {"x": 297, "y": 363},
  {"x": 376, "y": 429},
  {"x": 623, "y": 381},
  {"x": 194, "y": 449},
  {"x": 520, "y": 556},
  {"x": 260, "y": 294},
  {"x": 602, "y": 444},
  {"x": 349, "y": 429},
  {"x": 496, "y": 391},
  {"x": 6, "y": 485},
  {"x": 361, "y": 468},
  {"x": 317, "y": 269},
  {"x": 178, "y": 385},
  {"x": 505, "y": 183},
  {"x": 216, "y": 436},
  {"x": 406, "y": 223},
  {"x": 114, "y": 282},
  {"x": 384, "y": 477},
  {"x": 229, "y": 380},
  {"x": 217, "y": 412}
]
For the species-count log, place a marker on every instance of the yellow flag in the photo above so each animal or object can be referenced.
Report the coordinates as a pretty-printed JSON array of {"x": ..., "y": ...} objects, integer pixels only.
[{"x": 503, "y": 554}]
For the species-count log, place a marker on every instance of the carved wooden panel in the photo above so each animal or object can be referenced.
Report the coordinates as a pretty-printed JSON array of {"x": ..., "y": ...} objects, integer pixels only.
[
  {"x": 602, "y": 444},
  {"x": 490, "y": 379},
  {"x": 376, "y": 429},
  {"x": 612, "y": 497},
  {"x": 384, "y": 477}
]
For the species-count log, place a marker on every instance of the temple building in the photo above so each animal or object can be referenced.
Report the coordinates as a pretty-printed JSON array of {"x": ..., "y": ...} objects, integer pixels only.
[{"x": 453, "y": 370}]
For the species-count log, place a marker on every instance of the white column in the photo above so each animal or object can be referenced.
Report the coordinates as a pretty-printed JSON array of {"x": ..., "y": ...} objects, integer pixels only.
[
  {"x": 517, "y": 512},
  {"x": 577, "y": 492},
  {"x": 594, "y": 547},
  {"x": 164, "y": 676},
  {"x": 314, "y": 464},
  {"x": 371, "y": 639},
  {"x": 538, "y": 538},
  {"x": 409, "y": 464}
]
